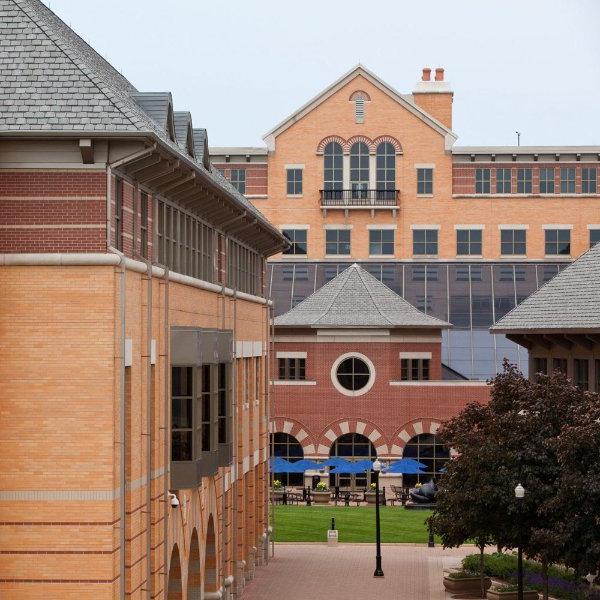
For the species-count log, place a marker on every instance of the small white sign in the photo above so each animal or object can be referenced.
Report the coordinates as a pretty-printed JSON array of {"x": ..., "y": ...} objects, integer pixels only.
[{"x": 332, "y": 537}]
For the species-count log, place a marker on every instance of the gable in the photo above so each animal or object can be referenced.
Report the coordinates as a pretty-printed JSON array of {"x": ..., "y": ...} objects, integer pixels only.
[{"x": 362, "y": 78}]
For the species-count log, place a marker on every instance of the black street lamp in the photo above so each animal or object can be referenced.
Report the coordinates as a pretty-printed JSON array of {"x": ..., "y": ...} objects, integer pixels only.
[
  {"x": 378, "y": 569},
  {"x": 519, "y": 495}
]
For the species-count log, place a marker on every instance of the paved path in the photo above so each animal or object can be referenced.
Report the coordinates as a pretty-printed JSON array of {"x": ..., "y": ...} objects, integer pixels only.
[{"x": 319, "y": 572}]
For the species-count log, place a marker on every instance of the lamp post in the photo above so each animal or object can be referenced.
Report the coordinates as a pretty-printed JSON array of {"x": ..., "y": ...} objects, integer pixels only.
[
  {"x": 378, "y": 569},
  {"x": 519, "y": 495}
]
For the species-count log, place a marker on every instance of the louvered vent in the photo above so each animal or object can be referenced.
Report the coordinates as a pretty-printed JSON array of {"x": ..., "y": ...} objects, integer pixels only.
[{"x": 359, "y": 109}]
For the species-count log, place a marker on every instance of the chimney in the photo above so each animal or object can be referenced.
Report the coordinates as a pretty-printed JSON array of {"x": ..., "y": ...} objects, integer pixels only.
[{"x": 435, "y": 96}]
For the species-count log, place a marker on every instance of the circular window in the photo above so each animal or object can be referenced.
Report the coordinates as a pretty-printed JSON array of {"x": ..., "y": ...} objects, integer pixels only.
[{"x": 353, "y": 374}]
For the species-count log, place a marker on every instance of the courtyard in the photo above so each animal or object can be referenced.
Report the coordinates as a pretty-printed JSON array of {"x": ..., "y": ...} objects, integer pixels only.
[{"x": 412, "y": 572}]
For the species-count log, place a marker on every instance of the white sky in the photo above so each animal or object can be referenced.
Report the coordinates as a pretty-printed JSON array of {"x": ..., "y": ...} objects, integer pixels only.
[{"x": 241, "y": 66}]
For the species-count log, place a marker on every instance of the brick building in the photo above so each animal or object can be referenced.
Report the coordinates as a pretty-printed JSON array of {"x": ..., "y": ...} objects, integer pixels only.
[
  {"x": 365, "y": 173},
  {"x": 135, "y": 329},
  {"x": 559, "y": 324},
  {"x": 358, "y": 374}
]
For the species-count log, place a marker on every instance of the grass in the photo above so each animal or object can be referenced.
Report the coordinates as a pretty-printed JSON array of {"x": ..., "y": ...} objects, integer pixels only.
[{"x": 354, "y": 524}]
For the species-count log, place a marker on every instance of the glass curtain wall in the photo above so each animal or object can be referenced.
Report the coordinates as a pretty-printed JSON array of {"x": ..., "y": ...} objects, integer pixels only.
[{"x": 471, "y": 296}]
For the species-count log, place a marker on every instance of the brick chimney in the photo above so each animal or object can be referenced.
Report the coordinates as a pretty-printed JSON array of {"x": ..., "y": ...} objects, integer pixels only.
[{"x": 435, "y": 97}]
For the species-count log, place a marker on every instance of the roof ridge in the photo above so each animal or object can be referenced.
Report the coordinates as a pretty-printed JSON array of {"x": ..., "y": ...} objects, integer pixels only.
[
  {"x": 358, "y": 270},
  {"x": 63, "y": 46}
]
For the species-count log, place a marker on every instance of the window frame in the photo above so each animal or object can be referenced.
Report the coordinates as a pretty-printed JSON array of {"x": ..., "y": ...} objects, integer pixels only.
[
  {"x": 524, "y": 180},
  {"x": 547, "y": 185},
  {"x": 239, "y": 183},
  {"x": 568, "y": 180},
  {"x": 554, "y": 244},
  {"x": 382, "y": 244},
  {"x": 385, "y": 174},
  {"x": 503, "y": 184},
  {"x": 333, "y": 153},
  {"x": 469, "y": 242},
  {"x": 594, "y": 232},
  {"x": 483, "y": 180},
  {"x": 426, "y": 241},
  {"x": 512, "y": 242},
  {"x": 292, "y": 369},
  {"x": 294, "y": 243},
  {"x": 337, "y": 244},
  {"x": 589, "y": 180},
  {"x": 294, "y": 183},
  {"x": 424, "y": 181},
  {"x": 415, "y": 369},
  {"x": 334, "y": 374},
  {"x": 119, "y": 213}
]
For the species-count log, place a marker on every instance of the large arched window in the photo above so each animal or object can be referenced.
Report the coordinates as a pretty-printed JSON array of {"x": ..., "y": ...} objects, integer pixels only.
[
  {"x": 359, "y": 169},
  {"x": 352, "y": 447},
  {"x": 427, "y": 449},
  {"x": 386, "y": 170},
  {"x": 333, "y": 176},
  {"x": 288, "y": 447}
]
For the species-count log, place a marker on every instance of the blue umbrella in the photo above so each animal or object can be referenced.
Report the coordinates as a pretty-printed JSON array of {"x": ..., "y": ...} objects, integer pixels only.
[
  {"x": 303, "y": 465},
  {"x": 279, "y": 465},
  {"x": 406, "y": 466},
  {"x": 353, "y": 467},
  {"x": 335, "y": 461}
]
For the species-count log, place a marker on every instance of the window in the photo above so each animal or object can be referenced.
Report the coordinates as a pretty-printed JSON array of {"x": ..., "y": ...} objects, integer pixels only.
[
  {"x": 468, "y": 273},
  {"x": 381, "y": 241},
  {"x": 119, "y": 214},
  {"x": 294, "y": 182},
  {"x": 523, "y": 181},
  {"x": 353, "y": 447},
  {"x": 482, "y": 181},
  {"x": 594, "y": 237},
  {"x": 182, "y": 383},
  {"x": 425, "y": 242},
  {"x": 244, "y": 270},
  {"x": 289, "y": 448},
  {"x": 293, "y": 369},
  {"x": 540, "y": 365},
  {"x": 333, "y": 160},
  {"x": 337, "y": 241},
  {"x": 503, "y": 183},
  {"x": 581, "y": 373},
  {"x": 468, "y": 241},
  {"x": 414, "y": 369},
  {"x": 222, "y": 391},
  {"x": 238, "y": 179},
  {"x": 144, "y": 225},
  {"x": 424, "y": 181},
  {"x": 427, "y": 449},
  {"x": 559, "y": 364},
  {"x": 359, "y": 169},
  {"x": 512, "y": 273},
  {"x": 353, "y": 374},
  {"x": 558, "y": 241},
  {"x": 513, "y": 242},
  {"x": 298, "y": 241},
  {"x": 547, "y": 181},
  {"x": 424, "y": 273},
  {"x": 567, "y": 180},
  {"x": 386, "y": 170},
  {"x": 588, "y": 180}
]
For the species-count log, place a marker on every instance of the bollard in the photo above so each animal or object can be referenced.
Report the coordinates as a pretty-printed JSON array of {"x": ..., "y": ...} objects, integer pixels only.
[
  {"x": 332, "y": 534},
  {"x": 332, "y": 523},
  {"x": 431, "y": 542}
]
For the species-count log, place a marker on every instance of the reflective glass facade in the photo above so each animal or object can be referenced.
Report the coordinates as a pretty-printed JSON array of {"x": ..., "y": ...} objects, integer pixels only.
[{"x": 471, "y": 296}]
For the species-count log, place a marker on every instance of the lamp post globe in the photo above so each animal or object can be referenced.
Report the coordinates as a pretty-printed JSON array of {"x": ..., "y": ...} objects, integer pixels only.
[
  {"x": 378, "y": 570},
  {"x": 519, "y": 492}
]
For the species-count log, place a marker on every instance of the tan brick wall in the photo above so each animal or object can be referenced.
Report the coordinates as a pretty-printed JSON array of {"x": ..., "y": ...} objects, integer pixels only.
[{"x": 60, "y": 376}]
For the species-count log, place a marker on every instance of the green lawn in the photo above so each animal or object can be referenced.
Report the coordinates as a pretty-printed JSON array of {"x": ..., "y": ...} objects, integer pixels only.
[{"x": 354, "y": 523}]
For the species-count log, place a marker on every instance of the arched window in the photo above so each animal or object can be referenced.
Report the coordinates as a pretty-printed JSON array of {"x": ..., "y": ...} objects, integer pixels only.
[
  {"x": 386, "y": 171},
  {"x": 353, "y": 447},
  {"x": 288, "y": 447},
  {"x": 427, "y": 449},
  {"x": 359, "y": 169},
  {"x": 333, "y": 180}
]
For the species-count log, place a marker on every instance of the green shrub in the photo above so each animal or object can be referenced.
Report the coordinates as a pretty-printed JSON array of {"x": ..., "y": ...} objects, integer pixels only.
[{"x": 462, "y": 575}]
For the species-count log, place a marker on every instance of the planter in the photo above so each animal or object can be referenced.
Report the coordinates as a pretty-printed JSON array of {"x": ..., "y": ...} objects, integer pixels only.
[
  {"x": 278, "y": 495},
  {"x": 370, "y": 497},
  {"x": 493, "y": 594},
  {"x": 466, "y": 585},
  {"x": 321, "y": 497}
]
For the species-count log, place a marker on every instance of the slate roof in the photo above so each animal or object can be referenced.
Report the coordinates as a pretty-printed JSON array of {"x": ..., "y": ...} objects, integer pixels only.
[
  {"x": 51, "y": 80},
  {"x": 569, "y": 301},
  {"x": 357, "y": 299}
]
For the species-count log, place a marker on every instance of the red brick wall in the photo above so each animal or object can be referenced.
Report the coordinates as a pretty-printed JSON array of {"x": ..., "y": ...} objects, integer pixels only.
[
  {"x": 256, "y": 176},
  {"x": 385, "y": 408},
  {"x": 463, "y": 175}
]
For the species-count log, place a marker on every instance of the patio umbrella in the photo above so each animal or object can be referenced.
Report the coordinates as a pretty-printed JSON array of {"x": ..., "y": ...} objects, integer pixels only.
[
  {"x": 353, "y": 467},
  {"x": 280, "y": 465},
  {"x": 406, "y": 466},
  {"x": 335, "y": 461},
  {"x": 303, "y": 465}
]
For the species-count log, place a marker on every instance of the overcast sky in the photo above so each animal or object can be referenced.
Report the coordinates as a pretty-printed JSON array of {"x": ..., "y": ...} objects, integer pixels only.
[{"x": 241, "y": 66}]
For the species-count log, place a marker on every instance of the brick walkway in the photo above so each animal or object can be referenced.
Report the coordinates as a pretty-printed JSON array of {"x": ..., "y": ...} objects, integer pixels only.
[{"x": 318, "y": 572}]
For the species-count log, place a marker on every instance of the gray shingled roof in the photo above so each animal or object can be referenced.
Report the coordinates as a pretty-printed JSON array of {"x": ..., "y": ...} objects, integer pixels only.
[
  {"x": 51, "y": 80},
  {"x": 357, "y": 299},
  {"x": 183, "y": 130},
  {"x": 571, "y": 300}
]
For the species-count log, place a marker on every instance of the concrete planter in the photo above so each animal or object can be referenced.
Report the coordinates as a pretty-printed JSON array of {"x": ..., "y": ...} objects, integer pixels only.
[
  {"x": 466, "y": 585},
  {"x": 493, "y": 594},
  {"x": 321, "y": 497},
  {"x": 278, "y": 495},
  {"x": 370, "y": 497}
]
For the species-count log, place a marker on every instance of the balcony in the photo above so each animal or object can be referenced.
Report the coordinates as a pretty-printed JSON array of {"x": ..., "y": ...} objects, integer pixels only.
[{"x": 360, "y": 200}]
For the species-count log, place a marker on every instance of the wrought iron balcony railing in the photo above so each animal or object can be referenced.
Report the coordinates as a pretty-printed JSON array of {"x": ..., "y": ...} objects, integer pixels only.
[{"x": 360, "y": 198}]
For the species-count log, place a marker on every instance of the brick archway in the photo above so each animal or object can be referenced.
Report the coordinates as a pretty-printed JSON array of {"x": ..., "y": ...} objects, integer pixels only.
[
  {"x": 361, "y": 138},
  {"x": 410, "y": 430},
  {"x": 343, "y": 426},
  {"x": 332, "y": 138},
  {"x": 297, "y": 430},
  {"x": 388, "y": 138}
]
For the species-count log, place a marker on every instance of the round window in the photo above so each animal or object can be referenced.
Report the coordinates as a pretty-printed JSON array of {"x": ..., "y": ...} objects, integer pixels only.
[{"x": 353, "y": 374}]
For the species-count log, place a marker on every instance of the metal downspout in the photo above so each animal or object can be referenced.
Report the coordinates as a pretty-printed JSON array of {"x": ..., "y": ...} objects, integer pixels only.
[
  {"x": 167, "y": 449},
  {"x": 234, "y": 481},
  {"x": 149, "y": 434},
  {"x": 271, "y": 438},
  {"x": 267, "y": 376}
]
